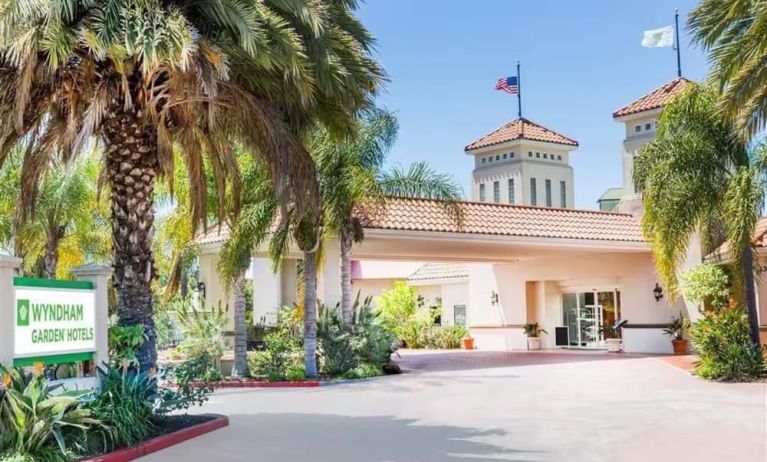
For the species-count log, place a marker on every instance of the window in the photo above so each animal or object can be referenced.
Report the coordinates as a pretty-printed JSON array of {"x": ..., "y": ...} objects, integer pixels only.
[
  {"x": 529, "y": 153},
  {"x": 559, "y": 157},
  {"x": 484, "y": 160},
  {"x": 490, "y": 159},
  {"x": 563, "y": 193},
  {"x": 498, "y": 157},
  {"x": 637, "y": 128},
  {"x": 459, "y": 315},
  {"x": 496, "y": 191},
  {"x": 538, "y": 155},
  {"x": 511, "y": 154},
  {"x": 504, "y": 156},
  {"x": 656, "y": 124},
  {"x": 511, "y": 190},
  {"x": 545, "y": 156},
  {"x": 533, "y": 193},
  {"x": 648, "y": 126},
  {"x": 547, "y": 185},
  {"x": 482, "y": 192}
]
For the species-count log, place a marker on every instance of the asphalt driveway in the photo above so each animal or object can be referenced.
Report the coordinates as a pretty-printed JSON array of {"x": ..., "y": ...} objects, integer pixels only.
[{"x": 474, "y": 406}]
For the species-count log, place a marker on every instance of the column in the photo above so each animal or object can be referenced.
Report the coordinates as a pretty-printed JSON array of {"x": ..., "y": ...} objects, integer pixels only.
[
  {"x": 289, "y": 280},
  {"x": 9, "y": 267},
  {"x": 267, "y": 290},
  {"x": 329, "y": 277},
  {"x": 99, "y": 276}
]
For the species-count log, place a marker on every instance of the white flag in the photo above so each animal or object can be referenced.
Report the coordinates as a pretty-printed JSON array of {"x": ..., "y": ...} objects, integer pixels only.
[{"x": 657, "y": 38}]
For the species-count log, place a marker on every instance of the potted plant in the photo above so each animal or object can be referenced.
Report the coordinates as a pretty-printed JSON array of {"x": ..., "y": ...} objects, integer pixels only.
[
  {"x": 467, "y": 342},
  {"x": 612, "y": 338},
  {"x": 533, "y": 332},
  {"x": 676, "y": 330}
]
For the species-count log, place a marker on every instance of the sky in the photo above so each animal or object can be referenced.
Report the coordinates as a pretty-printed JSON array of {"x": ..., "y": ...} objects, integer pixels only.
[{"x": 581, "y": 60}]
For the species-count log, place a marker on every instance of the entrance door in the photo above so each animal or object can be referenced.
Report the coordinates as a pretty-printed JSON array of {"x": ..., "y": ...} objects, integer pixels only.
[{"x": 584, "y": 314}]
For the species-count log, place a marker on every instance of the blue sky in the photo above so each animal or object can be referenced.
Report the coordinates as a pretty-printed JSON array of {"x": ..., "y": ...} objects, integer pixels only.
[{"x": 581, "y": 60}]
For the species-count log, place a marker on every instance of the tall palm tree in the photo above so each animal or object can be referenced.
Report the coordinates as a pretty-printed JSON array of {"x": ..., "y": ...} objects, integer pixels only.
[
  {"x": 144, "y": 75},
  {"x": 65, "y": 216},
  {"x": 698, "y": 175},
  {"x": 351, "y": 175},
  {"x": 735, "y": 34}
]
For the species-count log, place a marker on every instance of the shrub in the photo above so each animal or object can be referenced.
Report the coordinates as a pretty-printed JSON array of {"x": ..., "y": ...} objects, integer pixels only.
[
  {"x": 707, "y": 284},
  {"x": 281, "y": 355},
  {"x": 336, "y": 343},
  {"x": 445, "y": 337},
  {"x": 374, "y": 344},
  {"x": 725, "y": 350},
  {"x": 124, "y": 403},
  {"x": 37, "y": 424},
  {"x": 295, "y": 374},
  {"x": 123, "y": 342},
  {"x": 398, "y": 306},
  {"x": 363, "y": 371},
  {"x": 203, "y": 343}
]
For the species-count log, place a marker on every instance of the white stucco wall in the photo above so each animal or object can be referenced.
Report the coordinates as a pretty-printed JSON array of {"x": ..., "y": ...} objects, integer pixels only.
[{"x": 632, "y": 274}]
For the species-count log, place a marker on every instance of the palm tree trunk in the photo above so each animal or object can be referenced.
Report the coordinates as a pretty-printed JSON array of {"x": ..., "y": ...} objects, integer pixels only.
[
  {"x": 747, "y": 266},
  {"x": 346, "y": 242},
  {"x": 310, "y": 315},
  {"x": 51, "y": 258},
  {"x": 132, "y": 164},
  {"x": 240, "y": 368}
]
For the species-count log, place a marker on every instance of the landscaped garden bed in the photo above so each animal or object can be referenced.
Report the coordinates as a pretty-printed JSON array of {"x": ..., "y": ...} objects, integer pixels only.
[{"x": 169, "y": 431}]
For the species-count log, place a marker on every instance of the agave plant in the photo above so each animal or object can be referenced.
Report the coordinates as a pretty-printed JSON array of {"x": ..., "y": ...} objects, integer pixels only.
[{"x": 35, "y": 421}]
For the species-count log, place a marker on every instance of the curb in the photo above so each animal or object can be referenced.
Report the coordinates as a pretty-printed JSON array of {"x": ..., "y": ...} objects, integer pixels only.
[
  {"x": 255, "y": 384},
  {"x": 162, "y": 442}
]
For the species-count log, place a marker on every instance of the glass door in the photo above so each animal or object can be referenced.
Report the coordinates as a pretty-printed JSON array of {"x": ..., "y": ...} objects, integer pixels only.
[{"x": 584, "y": 314}]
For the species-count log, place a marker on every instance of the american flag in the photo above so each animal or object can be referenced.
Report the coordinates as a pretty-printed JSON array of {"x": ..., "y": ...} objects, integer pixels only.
[{"x": 508, "y": 84}]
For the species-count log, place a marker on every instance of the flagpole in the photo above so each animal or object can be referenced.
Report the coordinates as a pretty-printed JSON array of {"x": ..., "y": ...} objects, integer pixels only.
[
  {"x": 678, "y": 52},
  {"x": 519, "y": 93}
]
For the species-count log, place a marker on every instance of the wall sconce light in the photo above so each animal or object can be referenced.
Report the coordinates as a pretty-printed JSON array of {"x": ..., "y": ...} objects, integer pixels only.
[
  {"x": 494, "y": 298},
  {"x": 201, "y": 289},
  {"x": 658, "y": 292}
]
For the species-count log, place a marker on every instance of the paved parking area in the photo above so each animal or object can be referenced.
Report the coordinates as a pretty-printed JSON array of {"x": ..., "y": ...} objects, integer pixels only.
[{"x": 475, "y": 406}]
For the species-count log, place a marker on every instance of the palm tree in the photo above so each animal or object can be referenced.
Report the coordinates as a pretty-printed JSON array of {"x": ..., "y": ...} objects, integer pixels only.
[
  {"x": 144, "y": 76},
  {"x": 699, "y": 175},
  {"x": 735, "y": 34},
  {"x": 351, "y": 176},
  {"x": 65, "y": 216}
]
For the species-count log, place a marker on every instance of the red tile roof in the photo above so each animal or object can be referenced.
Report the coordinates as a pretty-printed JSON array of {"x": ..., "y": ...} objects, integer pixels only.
[
  {"x": 410, "y": 214},
  {"x": 521, "y": 129},
  {"x": 438, "y": 270},
  {"x": 655, "y": 99}
]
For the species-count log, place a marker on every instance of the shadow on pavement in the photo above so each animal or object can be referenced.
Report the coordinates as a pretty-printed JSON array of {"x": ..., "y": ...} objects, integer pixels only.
[{"x": 294, "y": 437}]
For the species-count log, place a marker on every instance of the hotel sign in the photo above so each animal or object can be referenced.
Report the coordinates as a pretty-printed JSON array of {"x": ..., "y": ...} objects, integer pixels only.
[{"x": 53, "y": 319}]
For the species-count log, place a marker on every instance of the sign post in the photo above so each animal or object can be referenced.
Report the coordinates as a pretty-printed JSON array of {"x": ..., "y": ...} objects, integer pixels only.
[{"x": 9, "y": 267}]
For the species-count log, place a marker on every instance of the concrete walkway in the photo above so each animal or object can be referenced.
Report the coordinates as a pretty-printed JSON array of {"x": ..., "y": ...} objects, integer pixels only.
[{"x": 474, "y": 406}]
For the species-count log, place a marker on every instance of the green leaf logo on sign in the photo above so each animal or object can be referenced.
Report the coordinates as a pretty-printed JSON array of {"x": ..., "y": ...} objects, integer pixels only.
[{"x": 22, "y": 313}]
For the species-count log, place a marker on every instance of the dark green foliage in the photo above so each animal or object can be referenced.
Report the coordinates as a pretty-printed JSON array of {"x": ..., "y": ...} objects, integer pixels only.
[
  {"x": 124, "y": 404},
  {"x": 124, "y": 342},
  {"x": 364, "y": 371},
  {"x": 374, "y": 343},
  {"x": 725, "y": 350},
  {"x": 282, "y": 355},
  {"x": 336, "y": 343}
]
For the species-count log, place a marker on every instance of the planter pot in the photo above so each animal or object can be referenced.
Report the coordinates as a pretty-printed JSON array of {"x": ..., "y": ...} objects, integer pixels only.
[
  {"x": 468, "y": 343},
  {"x": 533, "y": 343},
  {"x": 680, "y": 347},
  {"x": 614, "y": 345}
]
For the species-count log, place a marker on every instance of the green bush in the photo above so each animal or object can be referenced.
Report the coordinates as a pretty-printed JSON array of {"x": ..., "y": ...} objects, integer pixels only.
[
  {"x": 445, "y": 337},
  {"x": 203, "y": 342},
  {"x": 123, "y": 343},
  {"x": 398, "y": 306},
  {"x": 707, "y": 284},
  {"x": 374, "y": 344},
  {"x": 40, "y": 425},
  {"x": 725, "y": 350},
  {"x": 282, "y": 355},
  {"x": 364, "y": 371},
  {"x": 336, "y": 343},
  {"x": 295, "y": 374},
  {"x": 124, "y": 403}
]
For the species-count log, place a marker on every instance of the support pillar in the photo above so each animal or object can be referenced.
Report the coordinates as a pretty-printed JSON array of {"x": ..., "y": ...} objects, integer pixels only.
[
  {"x": 99, "y": 276},
  {"x": 9, "y": 267},
  {"x": 329, "y": 278},
  {"x": 267, "y": 291}
]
